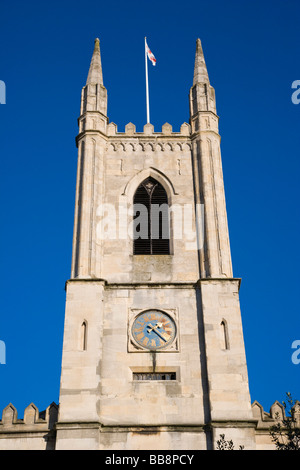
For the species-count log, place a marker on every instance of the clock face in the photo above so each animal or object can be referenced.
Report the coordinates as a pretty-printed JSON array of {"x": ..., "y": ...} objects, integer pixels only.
[{"x": 154, "y": 330}]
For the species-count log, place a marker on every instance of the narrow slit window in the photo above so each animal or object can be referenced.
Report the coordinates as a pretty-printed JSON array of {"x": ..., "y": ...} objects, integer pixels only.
[
  {"x": 224, "y": 335},
  {"x": 151, "y": 219},
  {"x": 83, "y": 336}
]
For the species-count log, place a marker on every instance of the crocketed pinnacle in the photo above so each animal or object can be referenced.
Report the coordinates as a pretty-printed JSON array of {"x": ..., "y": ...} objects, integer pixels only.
[
  {"x": 200, "y": 70},
  {"x": 95, "y": 72}
]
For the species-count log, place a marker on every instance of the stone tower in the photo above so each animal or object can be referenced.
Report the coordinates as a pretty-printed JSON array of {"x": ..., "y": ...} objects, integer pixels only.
[{"x": 153, "y": 351}]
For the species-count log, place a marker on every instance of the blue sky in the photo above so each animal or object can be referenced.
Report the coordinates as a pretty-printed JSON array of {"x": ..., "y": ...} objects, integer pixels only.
[{"x": 252, "y": 54}]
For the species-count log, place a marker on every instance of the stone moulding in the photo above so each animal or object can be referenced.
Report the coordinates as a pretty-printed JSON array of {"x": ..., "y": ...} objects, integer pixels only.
[
  {"x": 127, "y": 285},
  {"x": 148, "y": 140},
  {"x": 48, "y": 417},
  {"x": 131, "y": 428},
  {"x": 152, "y": 172},
  {"x": 144, "y": 143}
]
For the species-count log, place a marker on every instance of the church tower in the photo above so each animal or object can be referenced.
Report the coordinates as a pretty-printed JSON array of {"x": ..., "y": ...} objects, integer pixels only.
[{"x": 153, "y": 350}]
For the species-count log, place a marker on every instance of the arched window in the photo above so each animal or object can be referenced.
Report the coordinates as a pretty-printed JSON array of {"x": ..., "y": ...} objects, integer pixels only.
[
  {"x": 151, "y": 219},
  {"x": 224, "y": 335},
  {"x": 83, "y": 336}
]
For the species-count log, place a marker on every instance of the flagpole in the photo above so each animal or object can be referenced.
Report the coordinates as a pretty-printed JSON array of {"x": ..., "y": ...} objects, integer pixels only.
[{"x": 147, "y": 85}]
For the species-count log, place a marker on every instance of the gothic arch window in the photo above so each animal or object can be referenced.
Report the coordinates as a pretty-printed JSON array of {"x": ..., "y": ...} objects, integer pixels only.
[
  {"x": 151, "y": 221},
  {"x": 83, "y": 336}
]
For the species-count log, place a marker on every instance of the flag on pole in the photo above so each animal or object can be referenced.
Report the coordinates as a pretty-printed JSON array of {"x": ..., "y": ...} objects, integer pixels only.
[{"x": 150, "y": 54}]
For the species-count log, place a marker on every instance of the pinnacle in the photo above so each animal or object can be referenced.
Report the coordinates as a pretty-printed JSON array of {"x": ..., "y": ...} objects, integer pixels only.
[
  {"x": 97, "y": 44},
  {"x": 95, "y": 71},
  {"x": 200, "y": 70}
]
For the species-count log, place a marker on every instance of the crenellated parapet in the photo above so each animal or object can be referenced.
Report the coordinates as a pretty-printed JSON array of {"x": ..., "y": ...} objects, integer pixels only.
[
  {"x": 276, "y": 413},
  {"x": 130, "y": 129},
  {"x": 32, "y": 417},
  {"x": 267, "y": 419},
  {"x": 37, "y": 426},
  {"x": 148, "y": 140}
]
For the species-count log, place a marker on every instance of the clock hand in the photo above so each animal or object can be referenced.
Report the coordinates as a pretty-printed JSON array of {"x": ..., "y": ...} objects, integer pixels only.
[{"x": 154, "y": 328}]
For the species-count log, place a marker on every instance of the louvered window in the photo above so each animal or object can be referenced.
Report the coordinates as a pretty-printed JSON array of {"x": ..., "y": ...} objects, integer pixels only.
[
  {"x": 158, "y": 376},
  {"x": 151, "y": 219}
]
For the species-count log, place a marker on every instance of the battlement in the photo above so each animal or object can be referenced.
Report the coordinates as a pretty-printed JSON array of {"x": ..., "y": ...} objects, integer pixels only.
[
  {"x": 167, "y": 130},
  {"x": 276, "y": 413},
  {"x": 36, "y": 431},
  {"x": 164, "y": 141},
  {"x": 33, "y": 418}
]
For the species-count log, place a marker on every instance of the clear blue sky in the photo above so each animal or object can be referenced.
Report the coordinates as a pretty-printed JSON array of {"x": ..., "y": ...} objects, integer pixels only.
[{"x": 252, "y": 54}]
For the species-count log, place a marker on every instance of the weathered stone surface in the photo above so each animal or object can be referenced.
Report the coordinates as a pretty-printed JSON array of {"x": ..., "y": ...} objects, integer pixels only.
[{"x": 101, "y": 405}]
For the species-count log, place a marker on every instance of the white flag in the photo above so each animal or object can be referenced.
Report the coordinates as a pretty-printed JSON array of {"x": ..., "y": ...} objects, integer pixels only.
[{"x": 150, "y": 55}]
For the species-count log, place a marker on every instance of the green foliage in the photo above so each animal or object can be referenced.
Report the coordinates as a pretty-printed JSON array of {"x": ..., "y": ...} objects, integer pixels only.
[
  {"x": 286, "y": 433},
  {"x": 222, "y": 444}
]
